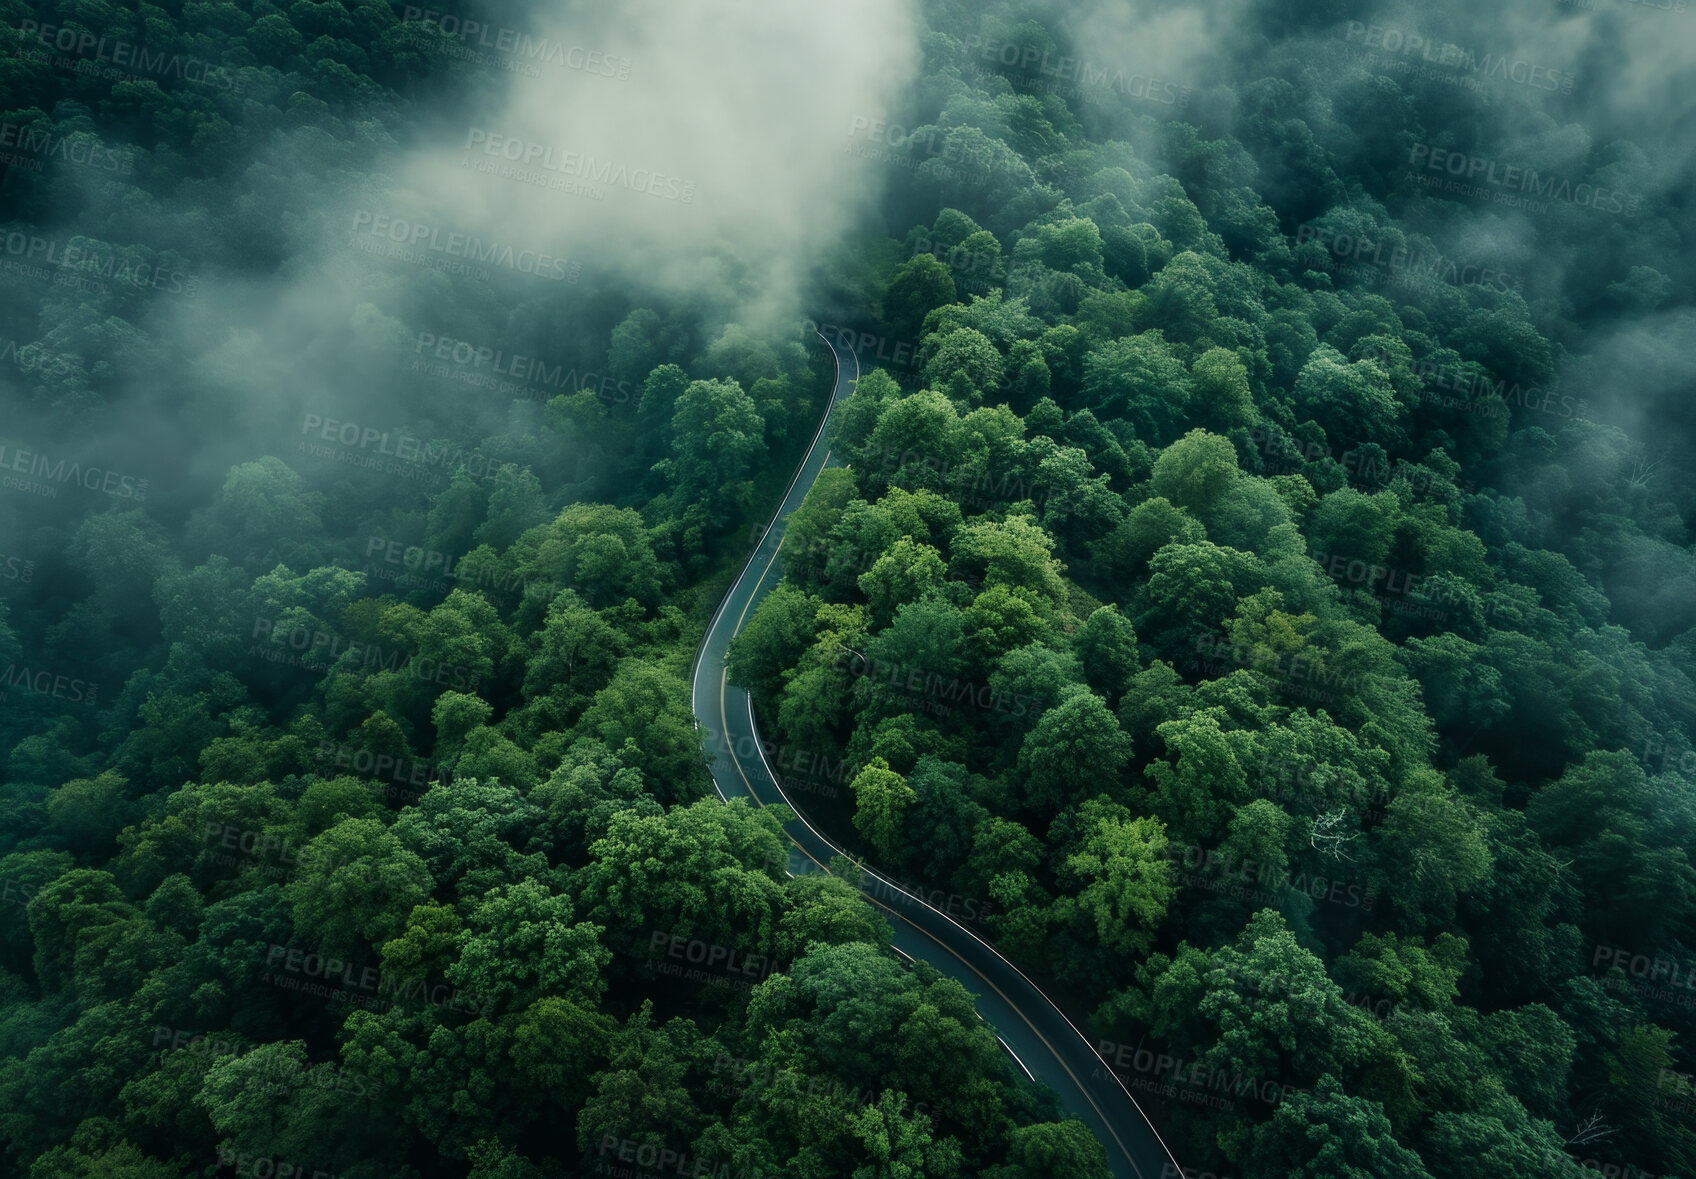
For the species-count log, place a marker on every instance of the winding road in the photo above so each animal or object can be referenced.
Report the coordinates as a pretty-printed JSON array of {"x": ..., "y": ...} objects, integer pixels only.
[{"x": 1045, "y": 1044}]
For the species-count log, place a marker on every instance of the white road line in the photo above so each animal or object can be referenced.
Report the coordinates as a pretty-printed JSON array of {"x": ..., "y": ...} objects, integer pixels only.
[
  {"x": 1016, "y": 1059},
  {"x": 753, "y": 727}
]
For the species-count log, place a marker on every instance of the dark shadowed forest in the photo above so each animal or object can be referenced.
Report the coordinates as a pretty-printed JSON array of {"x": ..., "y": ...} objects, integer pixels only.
[{"x": 1254, "y": 589}]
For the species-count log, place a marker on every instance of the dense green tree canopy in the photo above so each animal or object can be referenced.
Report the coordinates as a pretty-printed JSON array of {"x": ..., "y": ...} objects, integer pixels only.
[{"x": 1253, "y": 587}]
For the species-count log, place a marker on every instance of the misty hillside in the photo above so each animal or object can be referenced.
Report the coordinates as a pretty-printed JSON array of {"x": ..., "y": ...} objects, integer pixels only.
[{"x": 676, "y": 589}]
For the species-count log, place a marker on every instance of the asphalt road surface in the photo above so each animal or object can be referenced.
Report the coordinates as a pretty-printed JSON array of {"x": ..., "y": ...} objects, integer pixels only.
[{"x": 1046, "y": 1045}]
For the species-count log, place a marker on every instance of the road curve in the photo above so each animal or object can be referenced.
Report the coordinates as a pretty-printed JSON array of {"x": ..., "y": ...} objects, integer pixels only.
[{"x": 1046, "y": 1045}]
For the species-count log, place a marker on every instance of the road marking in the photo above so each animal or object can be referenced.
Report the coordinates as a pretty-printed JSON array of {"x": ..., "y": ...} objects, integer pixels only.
[
  {"x": 724, "y": 733},
  {"x": 724, "y": 719},
  {"x": 1021, "y": 1064},
  {"x": 830, "y": 405}
]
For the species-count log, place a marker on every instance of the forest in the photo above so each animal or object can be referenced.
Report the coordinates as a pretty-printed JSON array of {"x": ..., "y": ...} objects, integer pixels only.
[{"x": 1254, "y": 587}]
